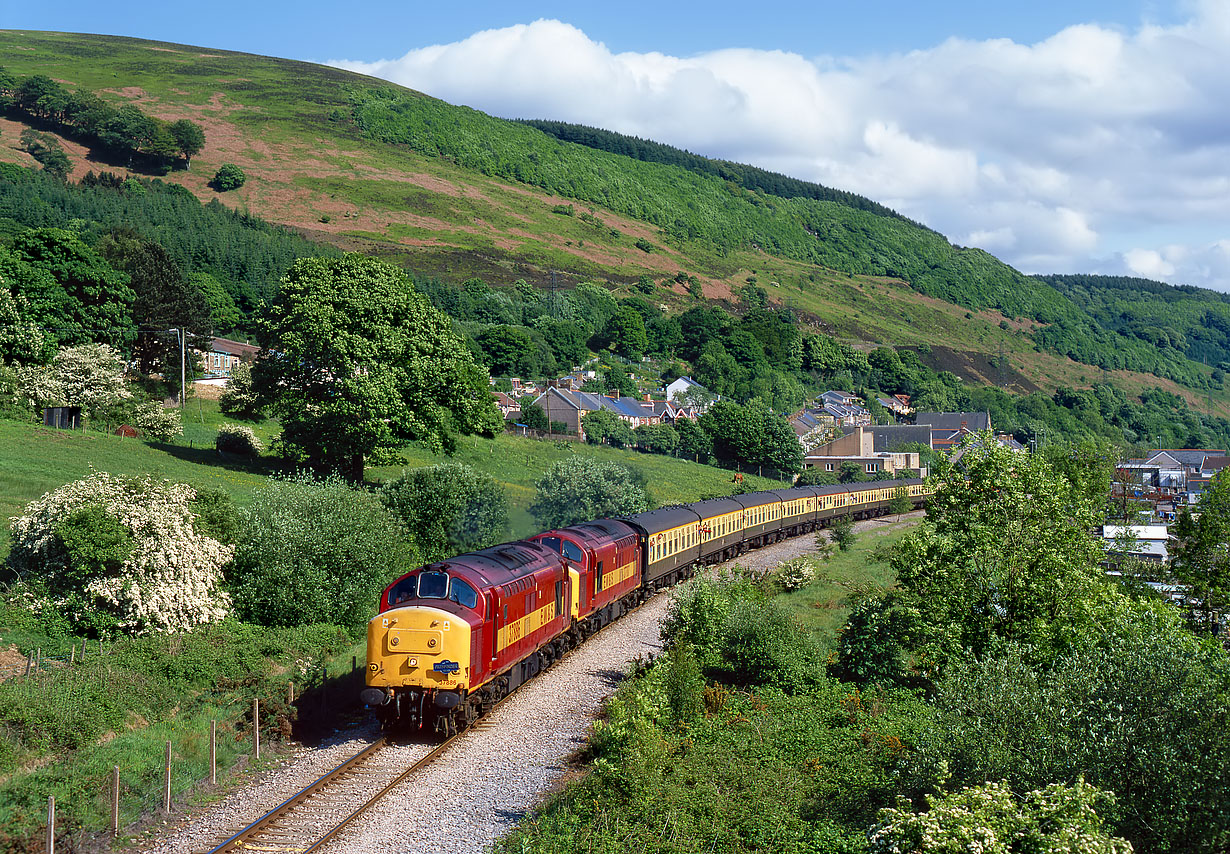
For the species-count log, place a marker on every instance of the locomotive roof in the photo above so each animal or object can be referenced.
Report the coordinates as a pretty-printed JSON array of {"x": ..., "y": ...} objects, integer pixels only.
[
  {"x": 597, "y": 531},
  {"x": 503, "y": 563},
  {"x": 662, "y": 519}
]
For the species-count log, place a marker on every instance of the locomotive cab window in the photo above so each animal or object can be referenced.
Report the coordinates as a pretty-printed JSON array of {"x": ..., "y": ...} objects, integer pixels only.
[
  {"x": 403, "y": 591},
  {"x": 433, "y": 585},
  {"x": 463, "y": 594}
]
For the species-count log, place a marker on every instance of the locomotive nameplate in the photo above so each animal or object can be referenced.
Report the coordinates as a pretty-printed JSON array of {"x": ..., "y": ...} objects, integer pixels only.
[{"x": 415, "y": 641}]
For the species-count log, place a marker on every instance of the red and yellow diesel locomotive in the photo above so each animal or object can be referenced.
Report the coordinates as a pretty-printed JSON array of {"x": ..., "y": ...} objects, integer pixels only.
[{"x": 455, "y": 637}]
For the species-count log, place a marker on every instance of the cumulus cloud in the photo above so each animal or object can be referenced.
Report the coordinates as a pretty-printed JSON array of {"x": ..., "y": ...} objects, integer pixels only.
[{"x": 1056, "y": 156}]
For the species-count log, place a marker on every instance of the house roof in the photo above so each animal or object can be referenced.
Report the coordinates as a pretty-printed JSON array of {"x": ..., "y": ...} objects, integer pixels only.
[
  {"x": 892, "y": 436},
  {"x": 1193, "y": 457},
  {"x": 628, "y": 407},
  {"x": 234, "y": 348},
  {"x": 972, "y": 421}
]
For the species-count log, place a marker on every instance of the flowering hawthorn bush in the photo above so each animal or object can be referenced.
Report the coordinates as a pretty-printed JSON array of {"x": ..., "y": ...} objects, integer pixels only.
[
  {"x": 153, "y": 572},
  {"x": 238, "y": 439},
  {"x": 990, "y": 819},
  {"x": 156, "y": 421},
  {"x": 796, "y": 573}
]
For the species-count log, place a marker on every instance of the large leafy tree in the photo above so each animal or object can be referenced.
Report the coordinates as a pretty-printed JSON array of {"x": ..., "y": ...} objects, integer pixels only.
[
  {"x": 752, "y": 435},
  {"x": 354, "y": 359},
  {"x": 89, "y": 300}
]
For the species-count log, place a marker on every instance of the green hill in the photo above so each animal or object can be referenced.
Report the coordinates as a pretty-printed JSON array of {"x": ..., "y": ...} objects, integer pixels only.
[{"x": 361, "y": 164}]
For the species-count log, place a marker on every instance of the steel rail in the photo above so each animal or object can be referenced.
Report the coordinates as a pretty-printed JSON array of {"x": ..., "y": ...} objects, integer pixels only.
[
  {"x": 376, "y": 798},
  {"x": 235, "y": 842}
]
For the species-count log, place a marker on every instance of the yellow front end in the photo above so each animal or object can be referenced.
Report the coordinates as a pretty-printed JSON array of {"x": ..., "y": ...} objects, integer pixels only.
[{"x": 418, "y": 647}]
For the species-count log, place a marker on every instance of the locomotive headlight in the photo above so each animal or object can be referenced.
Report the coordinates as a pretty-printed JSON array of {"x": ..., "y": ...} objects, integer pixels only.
[
  {"x": 431, "y": 642},
  {"x": 393, "y": 640}
]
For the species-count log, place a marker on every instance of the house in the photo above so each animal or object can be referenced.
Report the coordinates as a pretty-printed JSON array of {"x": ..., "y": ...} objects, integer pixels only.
[
  {"x": 509, "y": 408},
  {"x": 1147, "y": 542},
  {"x": 858, "y": 446},
  {"x": 569, "y": 407},
  {"x": 898, "y": 404},
  {"x": 224, "y": 354},
  {"x": 949, "y": 428},
  {"x": 1178, "y": 472},
  {"x": 686, "y": 390},
  {"x": 631, "y": 411}
]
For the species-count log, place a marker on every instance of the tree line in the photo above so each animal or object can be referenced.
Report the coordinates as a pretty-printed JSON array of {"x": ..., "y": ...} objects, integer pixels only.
[{"x": 126, "y": 133}]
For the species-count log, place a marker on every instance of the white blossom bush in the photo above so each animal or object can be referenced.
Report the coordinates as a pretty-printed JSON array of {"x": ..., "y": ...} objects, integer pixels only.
[
  {"x": 90, "y": 376},
  {"x": 169, "y": 580},
  {"x": 238, "y": 439},
  {"x": 796, "y": 573},
  {"x": 155, "y": 421},
  {"x": 990, "y": 819}
]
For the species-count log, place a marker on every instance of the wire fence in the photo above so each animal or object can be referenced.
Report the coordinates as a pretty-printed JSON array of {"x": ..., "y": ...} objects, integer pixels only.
[{"x": 101, "y": 798}]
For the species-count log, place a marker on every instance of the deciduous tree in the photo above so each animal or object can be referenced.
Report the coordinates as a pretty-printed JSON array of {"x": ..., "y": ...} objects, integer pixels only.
[
  {"x": 354, "y": 359},
  {"x": 449, "y": 509}
]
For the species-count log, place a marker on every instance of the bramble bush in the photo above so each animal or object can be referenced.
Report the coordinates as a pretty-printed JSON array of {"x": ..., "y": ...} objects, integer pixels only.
[
  {"x": 315, "y": 551},
  {"x": 119, "y": 552}
]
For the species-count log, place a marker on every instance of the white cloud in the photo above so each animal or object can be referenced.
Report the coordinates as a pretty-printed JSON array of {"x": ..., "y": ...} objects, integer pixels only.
[
  {"x": 1148, "y": 263},
  {"x": 1056, "y": 156}
]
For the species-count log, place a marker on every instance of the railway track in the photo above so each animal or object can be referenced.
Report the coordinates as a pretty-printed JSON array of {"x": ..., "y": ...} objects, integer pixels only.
[{"x": 314, "y": 815}]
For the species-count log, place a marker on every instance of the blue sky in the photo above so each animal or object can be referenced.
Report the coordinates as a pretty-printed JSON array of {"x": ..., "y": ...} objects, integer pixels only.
[
  {"x": 1062, "y": 137},
  {"x": 378, "y": 30}
]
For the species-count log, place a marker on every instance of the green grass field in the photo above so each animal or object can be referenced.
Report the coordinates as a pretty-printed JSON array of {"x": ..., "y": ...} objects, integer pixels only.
[
  {"x": 35, "y": 460},
  {"x": 823, "y": 606}
]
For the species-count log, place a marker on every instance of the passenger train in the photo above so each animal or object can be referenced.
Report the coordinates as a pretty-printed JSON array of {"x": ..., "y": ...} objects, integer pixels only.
[{"x": 453, "y": 638}]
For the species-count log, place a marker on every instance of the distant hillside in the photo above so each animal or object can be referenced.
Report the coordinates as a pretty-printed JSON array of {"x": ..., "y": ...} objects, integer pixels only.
[
  {"x": 1190, "y": 321},
  {"x": 748, "y": 177},
  {"x": 361, "y": 164}
]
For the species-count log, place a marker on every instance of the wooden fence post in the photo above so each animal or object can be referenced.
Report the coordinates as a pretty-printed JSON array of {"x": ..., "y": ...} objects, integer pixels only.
[
  {"x": 38, "y": 659},
  {"x": 256, "y": 727},
  {"x": 290, "y": 693},
  {"x": 213, "y": 753},
  {"x": 166, "y": 795},
  {"x": 51, "y": 825},
  {"x": 29, "y": 662},
  {"x": 72, "y": 653},
  {"x": 115, "y": 801}
]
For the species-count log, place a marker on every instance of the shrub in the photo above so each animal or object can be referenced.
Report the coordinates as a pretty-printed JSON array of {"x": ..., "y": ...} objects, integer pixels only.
[
  {"x": 578, "y": 489},
  {"x": 238, "y": 439},
  {"x": 123, "y": 551},
  {"x": 796, "y": 573},
  {"x": 239, "y": 400},
  {"x": 449, "y": 509},
  {"x": 315, "y": 551},
  {"x": 841, "y": 530},
  {"x": 156, "y": 421},
  {"x": 228, "y": 177},
  {"x": 990, "y": 818}
]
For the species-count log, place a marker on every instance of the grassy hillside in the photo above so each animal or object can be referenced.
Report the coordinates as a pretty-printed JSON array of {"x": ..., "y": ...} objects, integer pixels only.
[
  {"x": 362, "y": 164},
  {"x": 37, "y": 459}
]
